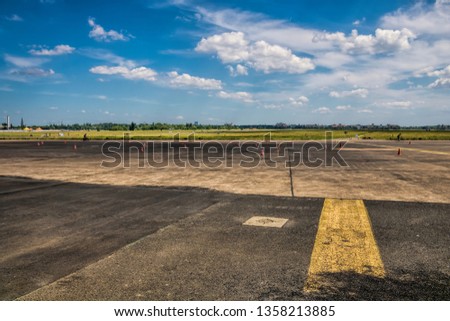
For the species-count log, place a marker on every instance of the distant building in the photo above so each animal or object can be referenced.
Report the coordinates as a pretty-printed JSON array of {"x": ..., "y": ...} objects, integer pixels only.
[
  {"x": 8, "y": 122},
  {"x": 196, "y": 123}
]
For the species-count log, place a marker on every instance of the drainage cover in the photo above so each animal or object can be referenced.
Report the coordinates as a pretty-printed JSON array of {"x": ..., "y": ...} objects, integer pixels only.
[{"x": 266, "y": 221}]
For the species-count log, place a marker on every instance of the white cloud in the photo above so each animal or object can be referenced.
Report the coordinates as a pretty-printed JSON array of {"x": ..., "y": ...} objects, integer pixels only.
[
  {"x": 53, "y": 108},
  {"x": 366, "y": 111},
  {"x": 240, "y": 95},
  {"x": 239, "y": 70},
  {"x": 441, "y": 82},
  {"x": 101, "y": 97},
  {"x": 273, "y": 106},
  {"x": 58, "y": 50},
  {"x": 359, "y": 22},
  {"x": 232, "y": 47},
  {"x": 299, "y": 101},
  {"x": 343, "y": 107},
  {"x": 439, "y": 72},
  {"x": 383, "y": 41},
  {"x": 361, "y": 92},
  {"x": 105, "y": 55},
  {"x": 24, "y": 62},
  {"x": 179, "y": 117},
  {"x": 421, "y": 18},
  {"x": 322, "y": 110},
  {"x": 333, "y": 59},
  {"x": 100, "y": 34},
  {"x": 406, "y": 104},
  {"x": 186, "y": 80},
  {"x": 271, "y": 58},
  {"x": 14, "y": 17},
  {"x": 443, "y": 75},
  {"x": 260, "y": 27},
  {"x": 137, "y": 73},
  {"x": 32, "y": 72}
]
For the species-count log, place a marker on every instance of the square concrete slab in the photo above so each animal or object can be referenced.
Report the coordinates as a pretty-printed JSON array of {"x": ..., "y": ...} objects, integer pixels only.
[{"x": 266, "y": 221}]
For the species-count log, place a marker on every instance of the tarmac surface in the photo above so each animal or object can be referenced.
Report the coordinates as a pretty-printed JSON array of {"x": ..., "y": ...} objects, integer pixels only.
[{"x": 72, "y": 230}]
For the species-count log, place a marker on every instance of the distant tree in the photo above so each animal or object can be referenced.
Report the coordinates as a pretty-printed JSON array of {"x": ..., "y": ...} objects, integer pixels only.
[{"x": 132, "y": 126}]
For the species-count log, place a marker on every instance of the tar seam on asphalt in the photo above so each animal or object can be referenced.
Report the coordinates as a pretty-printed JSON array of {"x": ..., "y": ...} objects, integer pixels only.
[{"x": 290, "y": 173}]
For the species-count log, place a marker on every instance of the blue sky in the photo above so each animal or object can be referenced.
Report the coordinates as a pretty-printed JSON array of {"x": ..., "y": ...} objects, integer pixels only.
[{"x": 245, "y": 62}]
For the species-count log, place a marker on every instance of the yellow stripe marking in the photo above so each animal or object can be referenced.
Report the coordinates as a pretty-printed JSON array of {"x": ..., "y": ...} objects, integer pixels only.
[{"x": 344, "y": 243}]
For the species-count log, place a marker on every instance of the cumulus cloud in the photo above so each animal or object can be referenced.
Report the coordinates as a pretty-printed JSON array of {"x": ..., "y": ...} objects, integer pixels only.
[
  {"x": 299, "y": 101},
  {"x": 322, "y": 110},
  {"x": 384, "y": 41},
  {"x": 58, "y": 50},
  {"x": 443, "y": 75},
  {"x": 365, "y": 111},
  {"x": 439, "y": 72},
  {"x": 186, "y": 80},
  {"x": 343, "y": 107},
  {"x": 261, "y": 27},
  {"x": 233, "y": 47},
  {"x": 100, "y": 34},
  {"x": 239, "y": 70},
  {"x": 240, "y": 95},
  {"x": 137, "y": 73},
  {"x": 229, "y": 46},
  {"x": 361, "y": 92},
  {"x": 441, "y": 82}
]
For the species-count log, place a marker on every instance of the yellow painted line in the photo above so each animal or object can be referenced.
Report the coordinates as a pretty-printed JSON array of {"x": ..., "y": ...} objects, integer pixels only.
[{"x": 344, "y": 243}]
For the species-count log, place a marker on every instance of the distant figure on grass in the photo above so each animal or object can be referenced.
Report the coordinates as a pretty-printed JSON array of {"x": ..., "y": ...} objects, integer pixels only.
[
  {"x": 399, "y": 136},
  {"x": 85, "y": 138}
]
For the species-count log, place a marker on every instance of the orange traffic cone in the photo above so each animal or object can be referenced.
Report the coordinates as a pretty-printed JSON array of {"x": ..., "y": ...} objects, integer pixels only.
[{"x": 399, "y": 152}]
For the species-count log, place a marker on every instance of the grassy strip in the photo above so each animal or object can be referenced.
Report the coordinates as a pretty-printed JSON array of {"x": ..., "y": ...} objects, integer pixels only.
[{"x": 257, "y": 135}]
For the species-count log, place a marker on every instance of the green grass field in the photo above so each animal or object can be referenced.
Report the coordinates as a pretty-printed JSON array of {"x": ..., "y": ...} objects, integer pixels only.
[{"x": 257, "y": 135}]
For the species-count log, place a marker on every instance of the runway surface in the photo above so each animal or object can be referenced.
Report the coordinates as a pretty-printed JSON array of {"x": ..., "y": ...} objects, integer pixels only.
[{"x": 71, "y": 230}]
